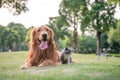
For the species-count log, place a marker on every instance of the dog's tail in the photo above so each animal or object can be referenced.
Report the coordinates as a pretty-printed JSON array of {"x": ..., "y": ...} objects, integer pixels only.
[{"x": 74, "y": 61}]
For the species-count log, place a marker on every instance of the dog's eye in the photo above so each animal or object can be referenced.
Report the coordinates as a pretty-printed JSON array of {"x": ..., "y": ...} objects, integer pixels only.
[
  {"x": 46, "y": 29},
  {"x": 38, "y": 30}
]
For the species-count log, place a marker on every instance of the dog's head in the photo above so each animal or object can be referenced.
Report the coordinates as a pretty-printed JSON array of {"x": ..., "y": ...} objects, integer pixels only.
[
  {"x": 42, "y": 35},
  {"x": 68, "y": 50}
]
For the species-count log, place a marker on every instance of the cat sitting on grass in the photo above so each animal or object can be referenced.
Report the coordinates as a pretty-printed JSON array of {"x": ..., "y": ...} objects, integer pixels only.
[{"x": 65, "y": 56}]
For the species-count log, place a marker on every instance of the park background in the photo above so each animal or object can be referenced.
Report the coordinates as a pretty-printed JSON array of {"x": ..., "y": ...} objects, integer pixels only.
[
  {"x": 84, "y": 26},
  {"x": 90, "y": 27}
]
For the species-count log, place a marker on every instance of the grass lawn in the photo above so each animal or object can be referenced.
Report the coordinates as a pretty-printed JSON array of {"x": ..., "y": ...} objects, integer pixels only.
[{"x": 88, "y": 67}]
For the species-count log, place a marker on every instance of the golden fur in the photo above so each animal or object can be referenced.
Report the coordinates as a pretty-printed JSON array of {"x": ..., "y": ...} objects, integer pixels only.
[{"x": 38, "y": 57}]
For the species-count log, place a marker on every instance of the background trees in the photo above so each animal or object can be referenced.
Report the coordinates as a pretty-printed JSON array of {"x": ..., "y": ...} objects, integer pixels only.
[
  {"x": 88, "y": 16},
  {"x": 2, "y": 32},
  {"x": 114, "y": 38},
  {"x": 12, "y": 37},
  {"x": 101, "y": 18},
  {"x": 114, "y": 34},
  {"x": 97, "y": 15},
  {"x": 115, "y": 1},
  {"x": 70, "y": 10},
  {"x": 16, "y": 6},
  {"x": 86, "y": 44},
  {"x": 59, "y": 26}
]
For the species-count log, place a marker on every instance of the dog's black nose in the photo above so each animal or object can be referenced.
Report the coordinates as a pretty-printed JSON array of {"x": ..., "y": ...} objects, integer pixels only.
[{"x": 44, "y": 35}]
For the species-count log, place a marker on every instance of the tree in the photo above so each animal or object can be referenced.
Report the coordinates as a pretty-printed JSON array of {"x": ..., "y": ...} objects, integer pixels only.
[
  {"x": 86, "y": 44},
  {"x": 100, "y": 17},
  {"x": 12, "y": 37},
  {"x": 2, "y": 31},
  {"x": 104, "y": 41},
  {"x": 27, "y": 37},
  {"x": 59, "y": 26},
  {"x": 114, "y": 1},
  {"x": 71, "y": 9},
  {"x": 21, "y": 30},
  {"x": 17, "y": 6},
  {"x": 7, "y": 38},
  {"x": 114, "y": 38},
  {"x": 114, "y": 34}
]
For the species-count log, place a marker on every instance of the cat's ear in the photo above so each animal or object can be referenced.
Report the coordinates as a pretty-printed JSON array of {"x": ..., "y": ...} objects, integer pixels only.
[{"x": 66, "y": 48}]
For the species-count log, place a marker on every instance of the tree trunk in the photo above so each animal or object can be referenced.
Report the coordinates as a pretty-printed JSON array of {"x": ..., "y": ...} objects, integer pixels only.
[
  {"x": 10, "y": 47},
  {"x": 75, "y": 35},
  {"x": 98, "y": 43},
  {"x": 0, "y": 3},
  {"x": 75, "y": 40}
]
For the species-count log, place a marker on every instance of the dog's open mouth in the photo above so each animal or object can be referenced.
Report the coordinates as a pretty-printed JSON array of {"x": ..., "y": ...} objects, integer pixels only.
[{"x": 43, "y": 45}]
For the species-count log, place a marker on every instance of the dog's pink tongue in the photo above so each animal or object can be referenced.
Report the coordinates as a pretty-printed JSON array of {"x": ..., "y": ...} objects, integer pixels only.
[{"x": 43, "y": 45}]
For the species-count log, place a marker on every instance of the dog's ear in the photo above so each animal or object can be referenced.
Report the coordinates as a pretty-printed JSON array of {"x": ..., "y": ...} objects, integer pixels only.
[
  {"x": 51, "y": 33},
  {"x": 32, "y": 35}
]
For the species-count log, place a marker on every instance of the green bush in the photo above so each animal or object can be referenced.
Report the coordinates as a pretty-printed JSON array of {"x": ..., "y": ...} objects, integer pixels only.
[{"x": 86, "y": 44}]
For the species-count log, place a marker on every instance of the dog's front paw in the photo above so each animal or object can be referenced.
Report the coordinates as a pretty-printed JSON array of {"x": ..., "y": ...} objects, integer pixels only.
[
  {"x": 41, "y": 65},
  {"x": 25, "y": 66}
]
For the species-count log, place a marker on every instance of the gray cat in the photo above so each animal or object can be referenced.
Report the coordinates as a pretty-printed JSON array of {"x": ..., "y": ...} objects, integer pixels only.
[{"x": 65, "y": 57}]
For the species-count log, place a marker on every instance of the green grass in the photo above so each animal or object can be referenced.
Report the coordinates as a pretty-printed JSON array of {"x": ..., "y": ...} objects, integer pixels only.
[
  {"x": 88, "y": 67},
  {"x": 115, "y": 55}
]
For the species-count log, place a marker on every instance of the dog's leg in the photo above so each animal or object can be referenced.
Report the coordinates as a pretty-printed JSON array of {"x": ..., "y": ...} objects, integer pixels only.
[
  {"x": 26, "y": 65},
  {"x": 46, "y": 62}
]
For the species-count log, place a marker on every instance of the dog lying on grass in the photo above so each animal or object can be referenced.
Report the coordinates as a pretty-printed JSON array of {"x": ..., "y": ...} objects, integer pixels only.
[{"x": 65, "y": 56}]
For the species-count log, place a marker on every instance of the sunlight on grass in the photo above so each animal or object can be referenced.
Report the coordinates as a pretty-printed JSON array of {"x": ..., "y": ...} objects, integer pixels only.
[{"x": 87, "y": 67}]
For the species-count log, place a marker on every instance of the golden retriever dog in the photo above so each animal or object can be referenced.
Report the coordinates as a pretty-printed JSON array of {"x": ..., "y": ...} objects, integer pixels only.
[{"x": 42, "y": 50}]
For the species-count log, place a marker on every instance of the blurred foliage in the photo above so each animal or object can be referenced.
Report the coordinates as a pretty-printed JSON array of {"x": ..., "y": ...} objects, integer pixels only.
[
  {"x": 15, "y": 6},
  {"x": 114, "y": 38},
  {"x": 59, "y": 26},
  {"x": 100, "y": 17},
  {"x": 97, "y": 16},
  {"x": 12, "y": 37},
  {"x": 16, "y": 37},
  {"x": 86, "y": 44},
  {"x": 27, "y": 37},
  {"x": 115, "y": 47},
  {"x": 104, "y": 42},
  {"x": 71, "y": 10},
  {"x": 114, "y": 34},
  {"x": 114, "y": 1}
]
